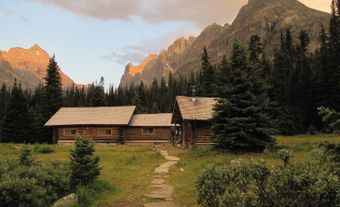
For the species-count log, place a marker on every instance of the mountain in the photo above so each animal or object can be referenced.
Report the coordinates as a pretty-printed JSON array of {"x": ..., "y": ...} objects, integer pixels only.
[
  {"x": 266, "y": 18},
  {"x": 28, "y": 66}
]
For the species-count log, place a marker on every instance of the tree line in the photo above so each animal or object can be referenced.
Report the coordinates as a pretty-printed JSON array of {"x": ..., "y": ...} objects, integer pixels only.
[{"x": 295, "y": 81}]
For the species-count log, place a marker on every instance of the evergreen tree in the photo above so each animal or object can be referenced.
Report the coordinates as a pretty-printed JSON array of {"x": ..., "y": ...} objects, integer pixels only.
[
  {"x": 240, "y": 119},
  {"x": 84, "y": 164},
  {"x": 330, "y": 62},
  {"x": 255, "y": 49},
  {"x": 53, "y": 94},
  {"x": 223, "y": 75},
  {"x": 16, "y": 126},
  {"x": 4, "y": 98},
  {"x": 207, "y": 79},
  {"x": 53, "y": 88},
  {"x": 98, "y": 98},
  {"x": 302, "y": 82},
  {"x": 25, "y": 157}
]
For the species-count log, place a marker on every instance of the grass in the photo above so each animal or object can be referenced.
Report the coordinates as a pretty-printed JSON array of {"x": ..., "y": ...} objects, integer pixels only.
[
  {"x": 194, "y": 161},
  {"x": 127, "y": 170}
]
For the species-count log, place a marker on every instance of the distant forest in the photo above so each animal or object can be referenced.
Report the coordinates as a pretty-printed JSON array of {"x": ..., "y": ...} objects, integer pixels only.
[{"x": 299, "y": 81}]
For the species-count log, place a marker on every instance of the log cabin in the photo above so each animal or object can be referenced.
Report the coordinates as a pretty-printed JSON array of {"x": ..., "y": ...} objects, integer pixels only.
[
  {"x": 102, "y": 124},
  {"x": 194, "y": 115},
  {"x": 148, "y": 129},
  {"x": 118, "y": 125}
]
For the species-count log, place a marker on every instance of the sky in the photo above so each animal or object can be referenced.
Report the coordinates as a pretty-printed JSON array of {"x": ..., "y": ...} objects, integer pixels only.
[{"x": 95, "y": 38}]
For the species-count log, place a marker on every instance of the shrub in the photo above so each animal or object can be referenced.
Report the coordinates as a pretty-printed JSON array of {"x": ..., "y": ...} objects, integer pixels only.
[
  {"x": 24, "y": 182},
  {"x": 88, "y": 194},
  {"x": 84, "y": 164},
  {"x": 21, "y": 192},
  {"x": 312, "y": 182},
  {"x": 44, "y": 149},
  {"x": 25, "y": 157}
]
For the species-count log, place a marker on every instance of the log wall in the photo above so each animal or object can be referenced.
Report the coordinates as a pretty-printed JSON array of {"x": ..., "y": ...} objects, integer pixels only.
[
  {"x": 92, "y": 132},
  {"x": 198, "y": 132},
  {"x": 136, "y": 135}
]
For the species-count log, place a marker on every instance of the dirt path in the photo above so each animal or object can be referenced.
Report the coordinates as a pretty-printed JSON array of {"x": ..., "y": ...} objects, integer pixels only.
[{"x": 161, "y": 193}]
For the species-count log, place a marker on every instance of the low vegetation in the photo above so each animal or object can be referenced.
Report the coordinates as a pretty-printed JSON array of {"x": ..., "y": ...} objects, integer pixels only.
[
  {"x": 194, "y": 162},
  {"x": 310, "y": 182},
  {"x": 125, "y": 172},
  {"x": 26, "y": 182}
]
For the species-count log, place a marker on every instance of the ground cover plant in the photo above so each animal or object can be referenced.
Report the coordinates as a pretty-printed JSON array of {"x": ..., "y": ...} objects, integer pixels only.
[
  {"x": 125, "y": 172},
  {"x": 193, "y": 162}
]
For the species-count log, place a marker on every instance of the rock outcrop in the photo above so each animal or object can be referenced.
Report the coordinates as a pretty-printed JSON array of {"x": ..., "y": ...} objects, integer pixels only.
[
  {"x": 266, "y": 18},
  {"x": 28, "y": 66}
]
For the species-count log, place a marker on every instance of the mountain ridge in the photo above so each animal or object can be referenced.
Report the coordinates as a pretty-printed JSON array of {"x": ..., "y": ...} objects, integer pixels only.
[
  {"x": 266, "y": 18},
  {"x": 28, "y": 66}
]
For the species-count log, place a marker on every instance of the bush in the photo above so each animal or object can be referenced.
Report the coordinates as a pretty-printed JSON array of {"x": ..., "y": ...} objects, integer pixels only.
[
  {"x": 84, "y": 164},
  {"x": 25, "y": 157},
  {"x": 24, "y": 182},
  {"x": 20, "y": 192},
  {"x": 44, "y": 149},
  {"x": 312, "y": 182},
  {"x": 88, "y": 194}
]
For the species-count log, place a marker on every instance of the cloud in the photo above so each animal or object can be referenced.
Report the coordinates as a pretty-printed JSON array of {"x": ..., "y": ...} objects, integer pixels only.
[
  {"x": 138, "y": 52},
  {"x": 3, "y": 11},
  {"x": 200, "y": 12},
  {"x": 323, "y": 5}
]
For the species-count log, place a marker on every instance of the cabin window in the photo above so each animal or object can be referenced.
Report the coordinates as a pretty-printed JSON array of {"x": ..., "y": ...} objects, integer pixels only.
[
  {"x": 70, "y": 131},
  {"x": 148, "y": 130},
  {"x": 104, "y": 132}
]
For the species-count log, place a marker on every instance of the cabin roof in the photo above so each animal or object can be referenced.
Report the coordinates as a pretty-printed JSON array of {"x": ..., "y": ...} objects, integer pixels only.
[
  {"x": 157, "y": 120},
  {"x": 92, "y": 116},
  {"x": 200, "y": 109}
]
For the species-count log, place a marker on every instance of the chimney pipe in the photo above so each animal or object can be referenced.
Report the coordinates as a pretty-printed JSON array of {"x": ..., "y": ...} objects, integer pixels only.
[{"x": 193, "y": 98}]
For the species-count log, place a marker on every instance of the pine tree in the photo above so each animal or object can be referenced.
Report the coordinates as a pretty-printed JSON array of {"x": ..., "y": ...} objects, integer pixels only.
[
  {"x": 98, "y": 98},
  {"x": 53, "y": 94},
  {"x": 16, "y": 126},
  {"x": 84, "y": 164},
  {"x": 207, "y": 79},
  {"x": 53, "y": 88},
  {"x": 223, "y": 75},
  {"x": 303, "y": 81},
  {"x": 25, "y": 157},
  {"x": 240, "y": 119},
  {"x": 255, "y": 49}
]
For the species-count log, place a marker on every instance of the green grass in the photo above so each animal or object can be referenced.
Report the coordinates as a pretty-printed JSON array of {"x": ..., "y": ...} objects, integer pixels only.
[
  {"x": 127, "y": 170},
  {"x": 194, "y": 161}
]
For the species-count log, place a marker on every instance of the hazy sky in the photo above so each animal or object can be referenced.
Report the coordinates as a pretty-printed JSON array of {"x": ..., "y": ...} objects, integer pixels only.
[{"x": 94, "y": 38}]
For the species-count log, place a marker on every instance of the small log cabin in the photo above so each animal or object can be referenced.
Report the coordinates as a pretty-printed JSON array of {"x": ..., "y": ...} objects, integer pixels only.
[
  {"x": 148, "y": 128},
  {"x": 109, "y": 125},
  {"x": 194, "y": 116},
  {"x": 102, "y": 124}
]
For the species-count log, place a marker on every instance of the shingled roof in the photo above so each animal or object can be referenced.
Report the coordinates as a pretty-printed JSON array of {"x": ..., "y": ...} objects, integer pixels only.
[
  {"x": 157, "y": 120},
  {"x": 200, "y": 109},
  {"x": 92, "y": 116}
]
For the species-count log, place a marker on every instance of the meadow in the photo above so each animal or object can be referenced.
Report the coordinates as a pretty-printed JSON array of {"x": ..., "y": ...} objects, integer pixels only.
[{"x": 127, "y": 170}]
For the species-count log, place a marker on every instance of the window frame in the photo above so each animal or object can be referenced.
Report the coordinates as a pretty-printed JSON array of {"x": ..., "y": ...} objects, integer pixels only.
[
  {"x": 70, "y": 130},
  {"x": 106, "y": 130},
  {"x": 147, "y": 131}
]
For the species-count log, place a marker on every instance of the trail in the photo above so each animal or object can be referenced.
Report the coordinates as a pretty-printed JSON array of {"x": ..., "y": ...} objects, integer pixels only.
[{"x": 161, "y": 193}]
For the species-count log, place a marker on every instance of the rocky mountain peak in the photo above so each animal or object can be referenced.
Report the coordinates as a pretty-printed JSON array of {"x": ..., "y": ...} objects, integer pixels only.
[
  {"x": 36, "y": 47},
  {"x": 265, "y": 18},
  {"x": 28, "y": 66},
  {"x": 133, "y": 70}
]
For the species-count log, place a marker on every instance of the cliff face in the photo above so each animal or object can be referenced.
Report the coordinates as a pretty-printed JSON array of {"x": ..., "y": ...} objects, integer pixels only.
[
  {"x": 28, "y": 66},
  {"x": 157, "y": 65},
  {"x": 266, "y": 18}
]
